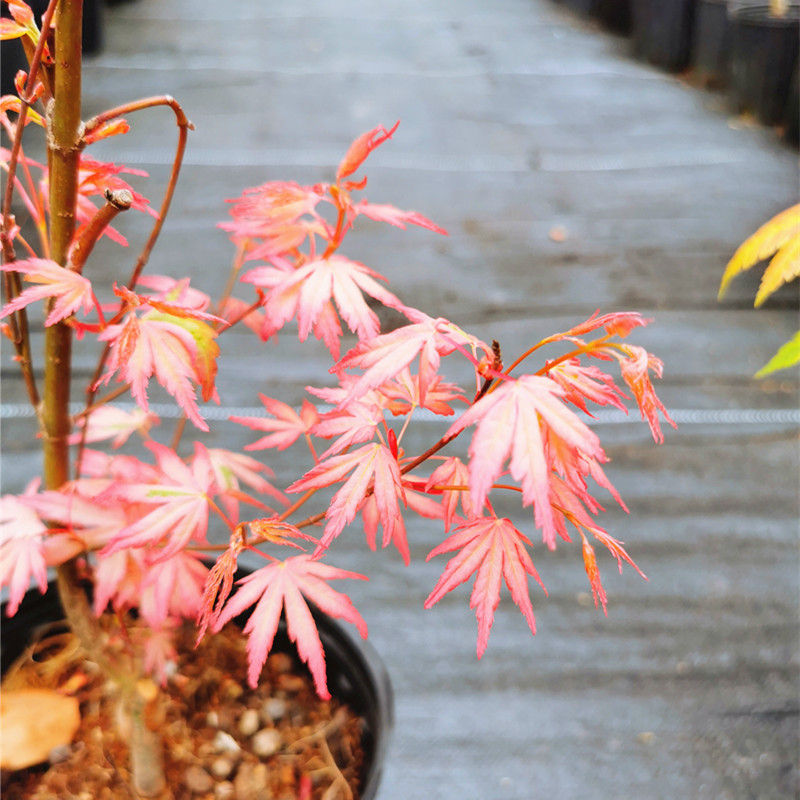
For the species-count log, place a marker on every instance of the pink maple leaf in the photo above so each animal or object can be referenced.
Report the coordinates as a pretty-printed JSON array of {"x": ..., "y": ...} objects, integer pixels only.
[
  {"x": 307, "y": 293},
  {"x": 583, "y": 383},
  {"x": 354, "y": 424},
  {"x": 118, "y": 580},
  {"x": 179, "y": 351},
  {"x": 523, "y": 420},
  {"x": 285, "y": 425},
  {"x": 232, "y": 470},
  {"x": 181, "y": 501},
  {"x": 492, "y": 549},
  {"x": 114, "y": 423},
  {"x": 286, "y": 586},
  {"x": 177, "y": 292},
  {"x": 451, "y": 478},
  {"x": 233, "y": 308},
  {"x": 21, "y": 550},
  {"x": 273, "y": 214},
  {"x": 71, "y": 290},
  {"x": 394, "y": 216},
  {"x": 172, "y": 587},
  {"x": 384, "y": 357},
  {"x": 375, "y": 470},
  {"x": 403, "y": 394},
  {"x": 422, "y": 504},
  {"x": 618, "y": 323}
]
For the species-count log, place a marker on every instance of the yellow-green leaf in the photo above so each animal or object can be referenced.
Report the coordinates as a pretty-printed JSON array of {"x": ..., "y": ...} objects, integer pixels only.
[
  {"x": 787, "y": 356},
  {"x": 204, "y": 358},
  {"x": 770, "y": 237},
  {"x": 784, "y": 267}
]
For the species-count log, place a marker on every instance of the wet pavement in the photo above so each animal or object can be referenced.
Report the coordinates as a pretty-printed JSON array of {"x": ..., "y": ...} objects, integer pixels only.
[{"x": 518, "y": 118}]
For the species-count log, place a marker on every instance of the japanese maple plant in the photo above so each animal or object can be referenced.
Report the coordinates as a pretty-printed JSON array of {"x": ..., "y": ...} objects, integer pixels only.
[{"x": 138, "y": 528}]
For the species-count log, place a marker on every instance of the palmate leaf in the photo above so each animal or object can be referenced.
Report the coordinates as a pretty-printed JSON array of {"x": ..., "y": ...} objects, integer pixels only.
[
  {"x": 284, "y": 426},
  {"x": 527, "y": 423},
  {"x": 787, "y": 356},
  {"x": 180, "y": 504},
  {"x": 768, "y": 239},
  {"x": 309, "y": 291},
  {"x": 375, "y": 470},
  {"x": 180, "y": 351},
  {"x": 385, "y": 357},
  {"x": 284, "y": 586},
  {"x": 784, "y": 267},
  {"x": 71, "y": 290},
  {"x": 492, "y": 549}
]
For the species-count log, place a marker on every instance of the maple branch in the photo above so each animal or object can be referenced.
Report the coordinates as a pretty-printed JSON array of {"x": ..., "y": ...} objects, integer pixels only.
[
  {"x": 116, "y": 201},
  {"x": 579, "y": 351},
  {"x": 431, "y": 451},
  {"x": 184, "y": 126},
  {"x": 297, "y": 504},
  {"x": 238, "y": 260},
  {"x": 20, "y": 332}
]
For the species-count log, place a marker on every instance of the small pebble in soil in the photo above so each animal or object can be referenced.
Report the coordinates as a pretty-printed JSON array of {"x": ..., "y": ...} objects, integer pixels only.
[
  {"x": 197, "y": 780},
  {"x": 249, "y": 722},
  {"x": 225, "y": 743},
  {"x": 222, "y": 767},
  {"x": 266, "y": 742},
  {"x": 251, "y": 782},
  {"x": 273, "y": 708},
  {"x": 224, "y": 791},
  {"x": 60, "y": 753}
]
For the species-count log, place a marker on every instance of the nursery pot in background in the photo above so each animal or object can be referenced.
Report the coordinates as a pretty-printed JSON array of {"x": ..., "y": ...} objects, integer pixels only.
[
  {"x": 662, "y": 32},
  {"x": 763, "y": 55},
  {"x": 582, "y": 7},
  {"x": 614, "y": 14},
  {"x": 711, "y": 43},
  {"x": 356, "y": 675}
]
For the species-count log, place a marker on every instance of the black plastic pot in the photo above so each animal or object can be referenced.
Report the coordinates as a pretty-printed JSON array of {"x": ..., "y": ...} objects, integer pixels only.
[
  {"x": 792, "y": 115},
  {"x": 356, "y": 675},
  {"x": 711, "y": 43},
  {"x": 763, "y": 56},
  {"x": 582, "y": 7},
  {"x": 662, "y": 32},
  {"x": 614, "y": 14}
]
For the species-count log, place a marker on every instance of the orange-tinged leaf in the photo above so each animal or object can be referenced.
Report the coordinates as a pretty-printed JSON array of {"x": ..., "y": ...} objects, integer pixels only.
[
  {"x": 590, "y": 562},
  {"x": 21, "y": 12},
  {"x": 784, "y": 267},
  {"x": 33, "y": 722},
  {"x": 361, "y": 148},
  {"x": 10, "y": 102},
  {"x": 11, "y": 30},
  {"x": 394, "y": 216},
  {"x": 770, "y": 237}
]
